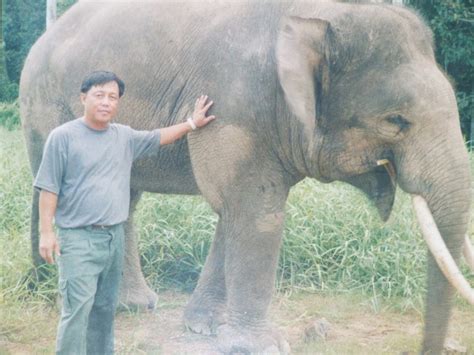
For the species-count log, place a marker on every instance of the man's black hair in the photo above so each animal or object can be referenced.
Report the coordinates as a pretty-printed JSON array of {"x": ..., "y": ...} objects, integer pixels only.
[{"x": 101, "y": 77}]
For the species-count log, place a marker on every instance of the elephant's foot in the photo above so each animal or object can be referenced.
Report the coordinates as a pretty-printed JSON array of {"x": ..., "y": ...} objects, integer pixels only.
[
  {"x": 204, "y": 316},
  {"x": 250, "y": 340},
  {"x": 140, "y": 299}
]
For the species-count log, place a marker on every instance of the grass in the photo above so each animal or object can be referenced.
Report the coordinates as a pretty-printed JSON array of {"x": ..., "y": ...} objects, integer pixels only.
[
  {"x": 9, "y": 115},
  {"x": 333, "y": 241}
]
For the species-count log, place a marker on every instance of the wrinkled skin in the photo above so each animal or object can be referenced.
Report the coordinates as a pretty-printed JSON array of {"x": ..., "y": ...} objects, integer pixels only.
[{"x": 323, "y": 94}]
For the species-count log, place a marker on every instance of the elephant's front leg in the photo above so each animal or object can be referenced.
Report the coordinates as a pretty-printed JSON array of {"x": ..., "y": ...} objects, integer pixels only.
[
  {"x": 205, "y": 309},
  {"x": 247, "y": 188},
  {"x": 252, "y": 246}
]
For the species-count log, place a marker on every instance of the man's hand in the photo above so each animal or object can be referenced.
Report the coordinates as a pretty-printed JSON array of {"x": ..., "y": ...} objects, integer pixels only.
[
  {"x": 171, "y": 134},
  {"x": 47, "y": 246},
  {"x": 200, "y": 109}
]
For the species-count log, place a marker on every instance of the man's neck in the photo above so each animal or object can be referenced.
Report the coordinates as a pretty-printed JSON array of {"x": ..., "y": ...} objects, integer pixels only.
[{"x": 97, "y": 126}]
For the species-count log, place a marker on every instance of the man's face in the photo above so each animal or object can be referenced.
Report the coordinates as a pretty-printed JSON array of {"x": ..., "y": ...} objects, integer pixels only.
[{"x": 101, "y": 103}]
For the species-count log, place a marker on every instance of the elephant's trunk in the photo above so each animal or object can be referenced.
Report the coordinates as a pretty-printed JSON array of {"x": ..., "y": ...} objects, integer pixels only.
[
  {"x": 468, "y": 252},
  {"x": 440, "y": 175}
]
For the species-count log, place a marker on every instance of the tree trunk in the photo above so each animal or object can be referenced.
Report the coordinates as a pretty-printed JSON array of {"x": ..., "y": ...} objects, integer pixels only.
[
  {"x": 50, "y": 13},
  {"x": 3, "y": 66}
]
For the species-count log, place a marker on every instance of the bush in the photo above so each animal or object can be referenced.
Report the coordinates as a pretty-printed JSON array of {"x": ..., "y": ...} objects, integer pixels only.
[
  {"x": 452, "y": 24},
  {"x": 10, "y": 115},
  {"x": 8, "y": 91}
]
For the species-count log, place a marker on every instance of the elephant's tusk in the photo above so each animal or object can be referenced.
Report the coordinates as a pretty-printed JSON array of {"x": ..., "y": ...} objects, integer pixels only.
[
  {"x": 390, "y": 170},
  {"x": 439, "y": 250},
  {"x": 468, "y": 252}
]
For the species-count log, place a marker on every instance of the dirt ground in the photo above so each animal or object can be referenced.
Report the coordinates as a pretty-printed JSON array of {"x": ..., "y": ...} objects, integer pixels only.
[
  {"x": 347, "y": 324},
  {"x": 344, "y": 325}
]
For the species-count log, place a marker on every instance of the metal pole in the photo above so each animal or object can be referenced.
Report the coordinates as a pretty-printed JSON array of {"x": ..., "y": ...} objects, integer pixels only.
[
  {"x": 3, "y": 70},
  {"x": 471, "y": 138},
  {"x": 3, "y": 64},
  {"x": 1, "y": 23},
  {"x": 50, "y": 13}
]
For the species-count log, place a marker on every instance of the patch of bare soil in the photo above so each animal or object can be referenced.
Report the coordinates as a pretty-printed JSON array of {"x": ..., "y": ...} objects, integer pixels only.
[
  {"x": 346, "y": 325},
  {"x": 161, "y": 331},
  {"x": 312, "y": 324}
]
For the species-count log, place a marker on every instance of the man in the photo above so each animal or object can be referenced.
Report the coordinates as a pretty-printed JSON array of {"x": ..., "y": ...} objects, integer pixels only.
[{"x": 84, "y": 182}]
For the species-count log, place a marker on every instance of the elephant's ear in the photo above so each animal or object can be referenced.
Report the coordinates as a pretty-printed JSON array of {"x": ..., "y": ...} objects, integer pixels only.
[{"x": 302, "y": 57}]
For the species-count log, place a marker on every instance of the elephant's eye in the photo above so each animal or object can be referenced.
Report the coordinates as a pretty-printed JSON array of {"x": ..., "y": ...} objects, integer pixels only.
[{"x": 399, "y": 121}]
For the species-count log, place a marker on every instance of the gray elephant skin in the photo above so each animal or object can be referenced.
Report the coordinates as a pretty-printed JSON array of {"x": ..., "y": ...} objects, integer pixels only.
[{"x": 301, "y": 89}]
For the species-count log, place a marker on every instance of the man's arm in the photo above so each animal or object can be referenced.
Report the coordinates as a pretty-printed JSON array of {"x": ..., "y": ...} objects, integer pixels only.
[
  {"x": 48, "y": 242},
  {"x": 170, "y": 134}
]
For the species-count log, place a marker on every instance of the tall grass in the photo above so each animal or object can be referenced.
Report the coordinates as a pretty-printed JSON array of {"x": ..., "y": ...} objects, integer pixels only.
[
  {"x": 333, "y": 238},
  {"x": 9, "y": 115},
  {"x": 15, "y": 196},
  {"x": 175, "y": 236}
]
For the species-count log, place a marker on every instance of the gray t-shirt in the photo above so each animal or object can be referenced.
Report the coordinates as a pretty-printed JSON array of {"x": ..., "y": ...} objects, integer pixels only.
[{"x": 90, "y": 170}]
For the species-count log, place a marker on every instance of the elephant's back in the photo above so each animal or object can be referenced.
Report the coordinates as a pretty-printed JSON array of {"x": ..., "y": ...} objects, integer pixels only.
[
  {"x": 167, "y": 53},
  {"x": 160, "y": 49}
]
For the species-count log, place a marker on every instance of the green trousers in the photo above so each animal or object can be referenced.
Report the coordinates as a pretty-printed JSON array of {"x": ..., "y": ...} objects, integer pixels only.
[{"x": 90, "y": 270}]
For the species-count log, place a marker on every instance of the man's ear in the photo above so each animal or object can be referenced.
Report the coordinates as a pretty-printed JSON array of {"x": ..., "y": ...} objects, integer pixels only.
[
  {"x": 302, "y": 57},
  {"x": 83, "y": 98}
]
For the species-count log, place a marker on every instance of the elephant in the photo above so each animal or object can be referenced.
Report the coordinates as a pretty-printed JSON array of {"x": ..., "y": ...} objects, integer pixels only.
[{"x": 325, "y": 90}]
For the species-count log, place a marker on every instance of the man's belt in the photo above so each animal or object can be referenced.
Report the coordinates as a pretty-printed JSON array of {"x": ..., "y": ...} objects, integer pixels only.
[{"x": 102, "y": 227}]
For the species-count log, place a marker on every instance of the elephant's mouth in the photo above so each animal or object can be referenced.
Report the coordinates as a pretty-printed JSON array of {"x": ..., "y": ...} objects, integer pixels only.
[{"x": 379, "y": 184}]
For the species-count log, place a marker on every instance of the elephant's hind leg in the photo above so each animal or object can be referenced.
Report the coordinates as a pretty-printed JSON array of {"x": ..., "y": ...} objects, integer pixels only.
[
  {"x": 205, "y": 310},
  {"x": 39, "y": 272},
  {"x": 134, "y": 291},
  {"x": 34, "y": 229}
]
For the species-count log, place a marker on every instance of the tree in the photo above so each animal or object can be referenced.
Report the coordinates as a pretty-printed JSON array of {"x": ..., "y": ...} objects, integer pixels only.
[
  {"x": 8, "y": 91},
  {"x": 24, "y": 23},
  {"x": 452, "y": 22}
]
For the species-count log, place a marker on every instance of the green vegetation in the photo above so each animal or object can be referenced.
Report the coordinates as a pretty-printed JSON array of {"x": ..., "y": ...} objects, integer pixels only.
[
  {"x": 333, "y": 241},
  {"x": 452, "y": 23},
  {"x": 9, "y": 115},
  {"x": 23, "y": 21}
]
